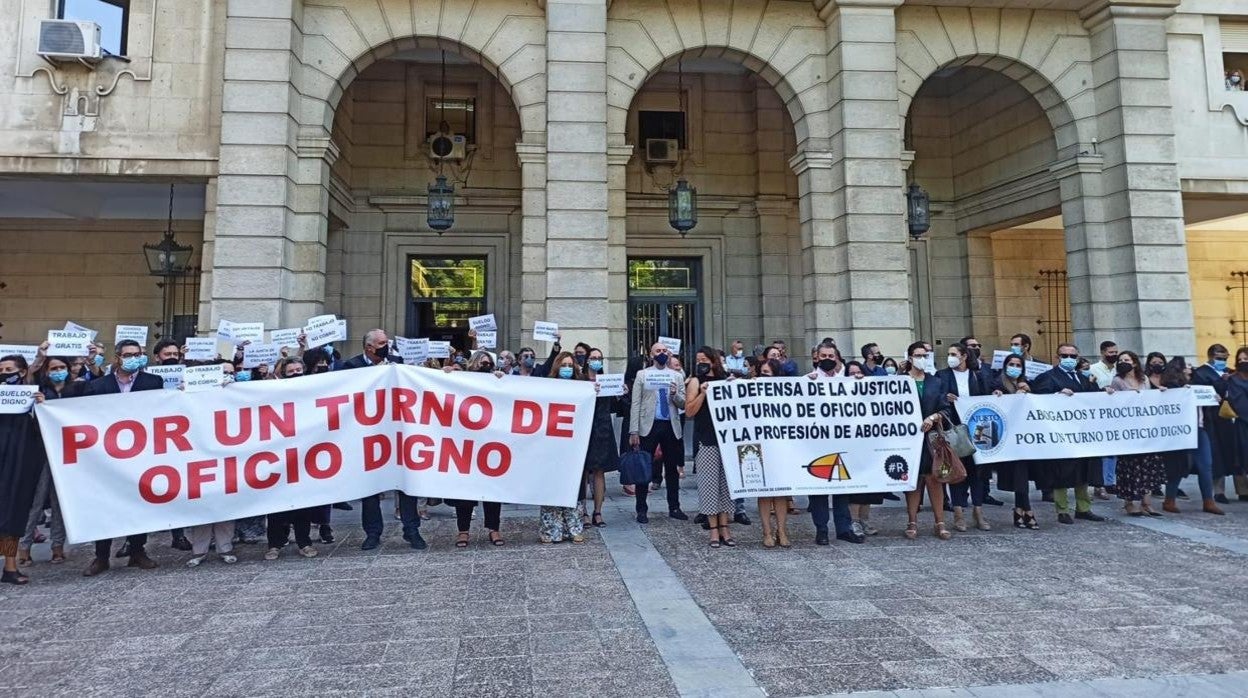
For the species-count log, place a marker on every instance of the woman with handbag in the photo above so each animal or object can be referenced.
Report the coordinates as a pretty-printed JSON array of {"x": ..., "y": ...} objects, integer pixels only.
[
  {"x": 932, "y": 402},
  {"x": 960, "y": 381},
  {"x": 1015, "y": 477}
]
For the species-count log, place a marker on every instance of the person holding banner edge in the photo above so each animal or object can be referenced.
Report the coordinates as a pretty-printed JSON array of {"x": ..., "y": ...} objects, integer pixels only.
[
  {"x": 21, "y": 460},
  {"x": 959, "y": 380},
  {"x": 714, "y": 498},
  {"x": 126, "y": 377},
  {"x": 828, "y": 367},
  {"x": 376, "y": 352},
  {"x": 658, "y": 393},
  {"x": 933, "y": 405},
  {"x": 1064, "y": 474},
  {"x": 1139, "y": 474},
  {"x": 557, "y": 523},
  {"x": 1016, "y": 476},
  {"x": 55, "y": 382}
]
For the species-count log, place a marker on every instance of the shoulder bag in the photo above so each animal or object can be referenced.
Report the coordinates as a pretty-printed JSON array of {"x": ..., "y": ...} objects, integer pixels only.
[
  {"x": 958, "y": 436},
  {"x": 635, "y": 468},
  {"x": 946, "y": 465}
]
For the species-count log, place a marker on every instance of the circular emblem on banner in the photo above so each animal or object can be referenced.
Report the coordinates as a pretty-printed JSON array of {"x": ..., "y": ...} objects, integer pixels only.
[
  {"x": 987, "y": 428},
  {"x": 897, "y": 468}
]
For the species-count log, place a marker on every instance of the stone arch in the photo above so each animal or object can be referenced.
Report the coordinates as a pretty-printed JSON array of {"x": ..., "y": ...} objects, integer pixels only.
[
  {"x": 1047, "y": 53},
  {"x": 341, "y": 39},
  {"x": 783, "y": 42}
]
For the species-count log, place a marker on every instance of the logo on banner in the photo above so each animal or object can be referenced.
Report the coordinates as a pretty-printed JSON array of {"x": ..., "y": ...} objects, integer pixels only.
[
  {"x": 987, "y": 428},
  {"x": 896, "y": 468},
  {"x": 830, "y": 467},
  {"x": 750, "y": 462}
]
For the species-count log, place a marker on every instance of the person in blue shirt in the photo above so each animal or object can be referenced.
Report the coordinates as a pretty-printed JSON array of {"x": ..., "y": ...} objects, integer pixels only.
[{"x": 873, "y": 360}]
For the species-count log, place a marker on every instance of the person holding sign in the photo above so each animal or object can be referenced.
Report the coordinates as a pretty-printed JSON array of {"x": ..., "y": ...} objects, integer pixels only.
[
  {"x": 127, "y": 376},
  {"x": 281, "y": 523},
  {"x": 603, "y": 454},
  {"x": 55, "y": 382},
  {"x": 1067, "y": 473},
  {"x": 961, "y": 381},
  {"x": 21, "y": 460},
  {"x": 1180, "y": 463},
  {"x": 658, "y": 394},
  {"x": 714, "y": 498},
  {"x": 558, "y": 523},
  {"x": 933, "y": 404},
  {"x": 828, "y": 366},
  {"x": 376, "y": 352},
  {"x": 1015, "y": 476},
  {"x": 768, "y": 505}
]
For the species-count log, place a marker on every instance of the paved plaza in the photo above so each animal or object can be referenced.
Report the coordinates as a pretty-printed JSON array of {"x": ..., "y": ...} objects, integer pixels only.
[{"x": 1127, "y": 607}]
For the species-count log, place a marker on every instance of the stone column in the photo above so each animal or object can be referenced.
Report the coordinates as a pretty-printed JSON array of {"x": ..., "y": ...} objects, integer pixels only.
[
  {"x": 853, "y": 219},
  {"x": 532, "y": 158},
  {"x": 1127, "y": 259},
  {"x": 577, "y": 232},
  {"x": 269, "y": 232},
  {"x": 617, "y": 252}
]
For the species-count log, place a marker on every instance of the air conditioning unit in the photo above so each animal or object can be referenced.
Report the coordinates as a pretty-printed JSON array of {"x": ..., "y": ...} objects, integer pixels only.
[
  {"x": 69, "y": 39},
  {"x": 447, "y": 146},
  {"x": 662, "y": 150}
]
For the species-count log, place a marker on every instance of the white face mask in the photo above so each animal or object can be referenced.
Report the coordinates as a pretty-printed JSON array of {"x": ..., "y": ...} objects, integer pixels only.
[
  {"x": 1234, "y": 79},
  {"x": 919, "y": 362},
  {"x": 953, "y": 361}
]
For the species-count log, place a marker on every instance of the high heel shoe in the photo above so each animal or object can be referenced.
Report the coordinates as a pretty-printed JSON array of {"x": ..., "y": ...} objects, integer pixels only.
[
  {"x": 959, "y": 523},
  {"x": 14, "y": 577},
  {"x": 1018, "y": 519},
  {"x": 769, "y": 541},
  {"x": 782, "y": 537},
  {"x": 1029, "y": 520},
  {"x": 912, "y": 530},
  {"x": 941, "y": 532},
  {"x": 980, "y": 522}
]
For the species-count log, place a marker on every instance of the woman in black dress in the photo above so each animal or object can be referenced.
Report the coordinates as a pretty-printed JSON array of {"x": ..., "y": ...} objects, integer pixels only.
[
  {"x": 21, "y": 459},
  {"x": 603, "y": 454},
  {"x": 55, "y": 380}
]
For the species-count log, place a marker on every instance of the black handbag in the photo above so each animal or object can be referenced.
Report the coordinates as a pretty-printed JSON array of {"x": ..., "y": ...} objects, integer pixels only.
[{"x": 636, "y": 468}]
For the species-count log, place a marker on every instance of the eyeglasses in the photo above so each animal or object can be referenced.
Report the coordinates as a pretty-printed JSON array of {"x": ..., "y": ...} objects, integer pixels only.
[
  {"x": 130, "y": 356},
  {"x": 1069, "y": 356}
]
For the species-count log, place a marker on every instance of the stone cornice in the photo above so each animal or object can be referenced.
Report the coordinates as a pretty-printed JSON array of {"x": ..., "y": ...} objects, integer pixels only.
[
  {"x": 1077, "y": 165},
  {"x": 619, "y": 154},
  {"x": 1097, "y": 12},
  {"x": 812, "y": 160},
  {"x": 825, "y": 8},
  {"x": 529, "y": 153}
]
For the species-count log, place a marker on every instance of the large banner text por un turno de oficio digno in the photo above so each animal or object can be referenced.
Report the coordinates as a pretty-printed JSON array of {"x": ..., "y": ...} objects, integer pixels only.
[{"x": 151, "y": 461}]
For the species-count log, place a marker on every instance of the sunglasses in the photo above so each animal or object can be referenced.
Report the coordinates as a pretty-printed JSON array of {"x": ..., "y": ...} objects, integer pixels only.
[{"x": 1069, "y": 356}]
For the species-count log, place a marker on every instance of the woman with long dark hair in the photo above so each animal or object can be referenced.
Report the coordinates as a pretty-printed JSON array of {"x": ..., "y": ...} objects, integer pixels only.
[
  {"x": 769, "y": 506},
  {"x": 1179, "y": 464},
  {"x": 1141, "y": 473},
  {"x": 558, "y": 523},
  {"x": 714, "y": 499},
  {"x": 21, "y": 460},
  {"x": 603, "y": 454},
  {"x": 1016, "y": 476},
  {"x": 55, "y": 380}
]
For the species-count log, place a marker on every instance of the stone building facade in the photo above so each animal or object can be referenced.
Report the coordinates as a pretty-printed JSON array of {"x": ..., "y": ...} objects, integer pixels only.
[{"x": 1088, "y": 168}]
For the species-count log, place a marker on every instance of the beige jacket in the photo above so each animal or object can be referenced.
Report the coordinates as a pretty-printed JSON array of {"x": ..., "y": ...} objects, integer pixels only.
[{"x": 645, "y": 401}]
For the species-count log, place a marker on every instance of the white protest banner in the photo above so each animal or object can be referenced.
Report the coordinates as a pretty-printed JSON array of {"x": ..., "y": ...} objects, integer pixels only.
[
  {"x": 545, "y": 331},
  {"x": 413, "y": 351},
  {"x": 17, "y": 399},
  {"x": 199, "y": 378},
  {"x": 137, "y": 333},
  {"x": 439, "y": 350},
  {"x": 247, "y": 332},
  {"x": 487, "y": 340},
  {"x": 1206, "y": 396},
  {"x": 672, "y": 344},
  {"x": 483, "y": 322},
  {"x": 155, "y": 460},
  {"x": 68, "y": 343},
  {"x": 172, "y": 375},
  {"x": 610, "y": 384},
  {"x": 658, "y": 380},
  {"x": 286, "y": 338},
  {"x": 1083, "y": 425},
  {"x": 261, "y": 354},
  {"x": 75, "y": 327},
  {"x": 26, "y": 351},
  {"x": 791, "y": 436},
  {"x": 201, "y": 349}
]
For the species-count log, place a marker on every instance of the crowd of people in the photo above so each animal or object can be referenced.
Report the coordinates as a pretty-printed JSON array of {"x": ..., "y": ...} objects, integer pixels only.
[{"x": 662, "y": 399}]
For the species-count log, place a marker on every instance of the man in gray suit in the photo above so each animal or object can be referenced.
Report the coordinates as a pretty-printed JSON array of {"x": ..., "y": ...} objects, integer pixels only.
[{"x": 658, "y": 392}]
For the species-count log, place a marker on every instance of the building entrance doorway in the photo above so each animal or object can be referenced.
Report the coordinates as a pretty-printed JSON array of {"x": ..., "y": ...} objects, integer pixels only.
[
  {"x": 664, "y": 300},
  {"x": 443, "y": 292}
]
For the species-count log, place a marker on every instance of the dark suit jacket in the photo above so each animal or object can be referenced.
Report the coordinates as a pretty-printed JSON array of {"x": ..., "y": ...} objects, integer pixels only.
[
  {"x": 361, "y": 361},
  {"x": 950, "y": 386},
  {"x": 107, "y": 385},
  {"x": 1055, "y": 380}
]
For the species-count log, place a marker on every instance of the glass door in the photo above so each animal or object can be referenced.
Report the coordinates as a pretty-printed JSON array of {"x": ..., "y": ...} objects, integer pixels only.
[
  {"x": 443, "y": 292},
  {"x": 664, "y": 300}
]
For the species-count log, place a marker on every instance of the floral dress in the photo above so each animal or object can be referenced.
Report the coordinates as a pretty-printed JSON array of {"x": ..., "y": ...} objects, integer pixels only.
[{"x": 1138, "y": 474}]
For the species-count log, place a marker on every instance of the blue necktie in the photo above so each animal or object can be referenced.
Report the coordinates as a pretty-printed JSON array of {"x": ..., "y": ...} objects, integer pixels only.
[{"x": 663, "y": 413}]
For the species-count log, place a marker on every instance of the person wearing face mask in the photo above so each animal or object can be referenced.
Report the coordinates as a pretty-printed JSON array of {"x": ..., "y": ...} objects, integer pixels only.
[
  {"x": 735, "y": 362},
  {"x": 658, "y": 393},
  {"x": 873, "y": 360},
  {"x": 828, "y": 367},
  {"x": 1237, "y": 395},
  {"x": 1234, "y": 81},
  {"x": 317, "y": 361},
  {"x": 167, "y": 352},
  {"x": 959, "y": 380},
  {"x": 1060, "y": 475},
  {"x": 526, "y": 362},
  {"x": 127, "y": 376},
  {"x": 1180, "y": 464},
  {"x": 1016, "y": 476},
  {"x": 376, "y": 352},
  {"x": 603, "y": 454},
  {"x": 714, "y": 500},
  {"x": 1223, "y": 440},
  {"x": 280, "y": 524},
  {"x": 506, "y": 362},
  {"x": 1103, "y": 373},
  {"x": 55, "y": 380},
  {"x": 932, "y": 405},
  {"x": 889, "y": 366},
  {"x": 559, "y": 523},
  {"x": 22, "y": 458},
  {"x": 1139, "y": 474},
  {"x": 987, "y": 377}
]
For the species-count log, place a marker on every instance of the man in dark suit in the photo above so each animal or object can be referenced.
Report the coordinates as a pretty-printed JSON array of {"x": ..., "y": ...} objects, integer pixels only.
[
  {"x": 1221, "y": 433},
  {"x": 1066, "y": 473},
  {"x": 127, "y": 376},
  {"x": 377, "y": 353}
]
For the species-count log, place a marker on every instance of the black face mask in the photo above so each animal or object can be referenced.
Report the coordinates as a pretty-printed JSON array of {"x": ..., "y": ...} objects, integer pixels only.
[
  {"x": 1242, "y": 367},
  {"x": 827, "y": 365},
  {"x": 1111, "y": 360},
  {"x": 486, "y": 368},
  {"x": 382, "y": 352},
  {"x": 877, "y": 359},
  {"x": 579, "y": 359},
  {"x": 1154, "y": 369},
  {"x": 1123, "y": 368},
  {"x": 320, "y": 369},
  {"x": 12, "y": 378},
  {"x": 169, "y": 362},
  {"x": 702, "y": 370}
]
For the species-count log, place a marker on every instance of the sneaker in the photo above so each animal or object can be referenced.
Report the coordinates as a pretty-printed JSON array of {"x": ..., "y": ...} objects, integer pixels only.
[
  {"x": 1183, "y": 495},
  {"x": 857, "y": 528},
  {"x": 1221, "y": 499},
  {"x": 196, "y": 561},
  {"x": 417, "y": 542},
  {"x": 228, "y": 558},
  {"x": 272, "y": 553},
  {"x": 307, "y": 551},
  {"x": 868, "y": 529},
  {"x": 741, "y": 519}
]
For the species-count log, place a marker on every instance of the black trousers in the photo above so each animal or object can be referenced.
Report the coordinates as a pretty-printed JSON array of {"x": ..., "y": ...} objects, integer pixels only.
[
  {"x": 104, "y": 548},
  {"x": 278, "y": 530},
  {"x": 463, "y": 514},
  {"x": 661, "y": 435}
]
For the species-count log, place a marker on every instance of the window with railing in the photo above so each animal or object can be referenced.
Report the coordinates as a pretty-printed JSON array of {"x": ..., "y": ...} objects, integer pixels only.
[{"x": 1053, "y": 325}]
